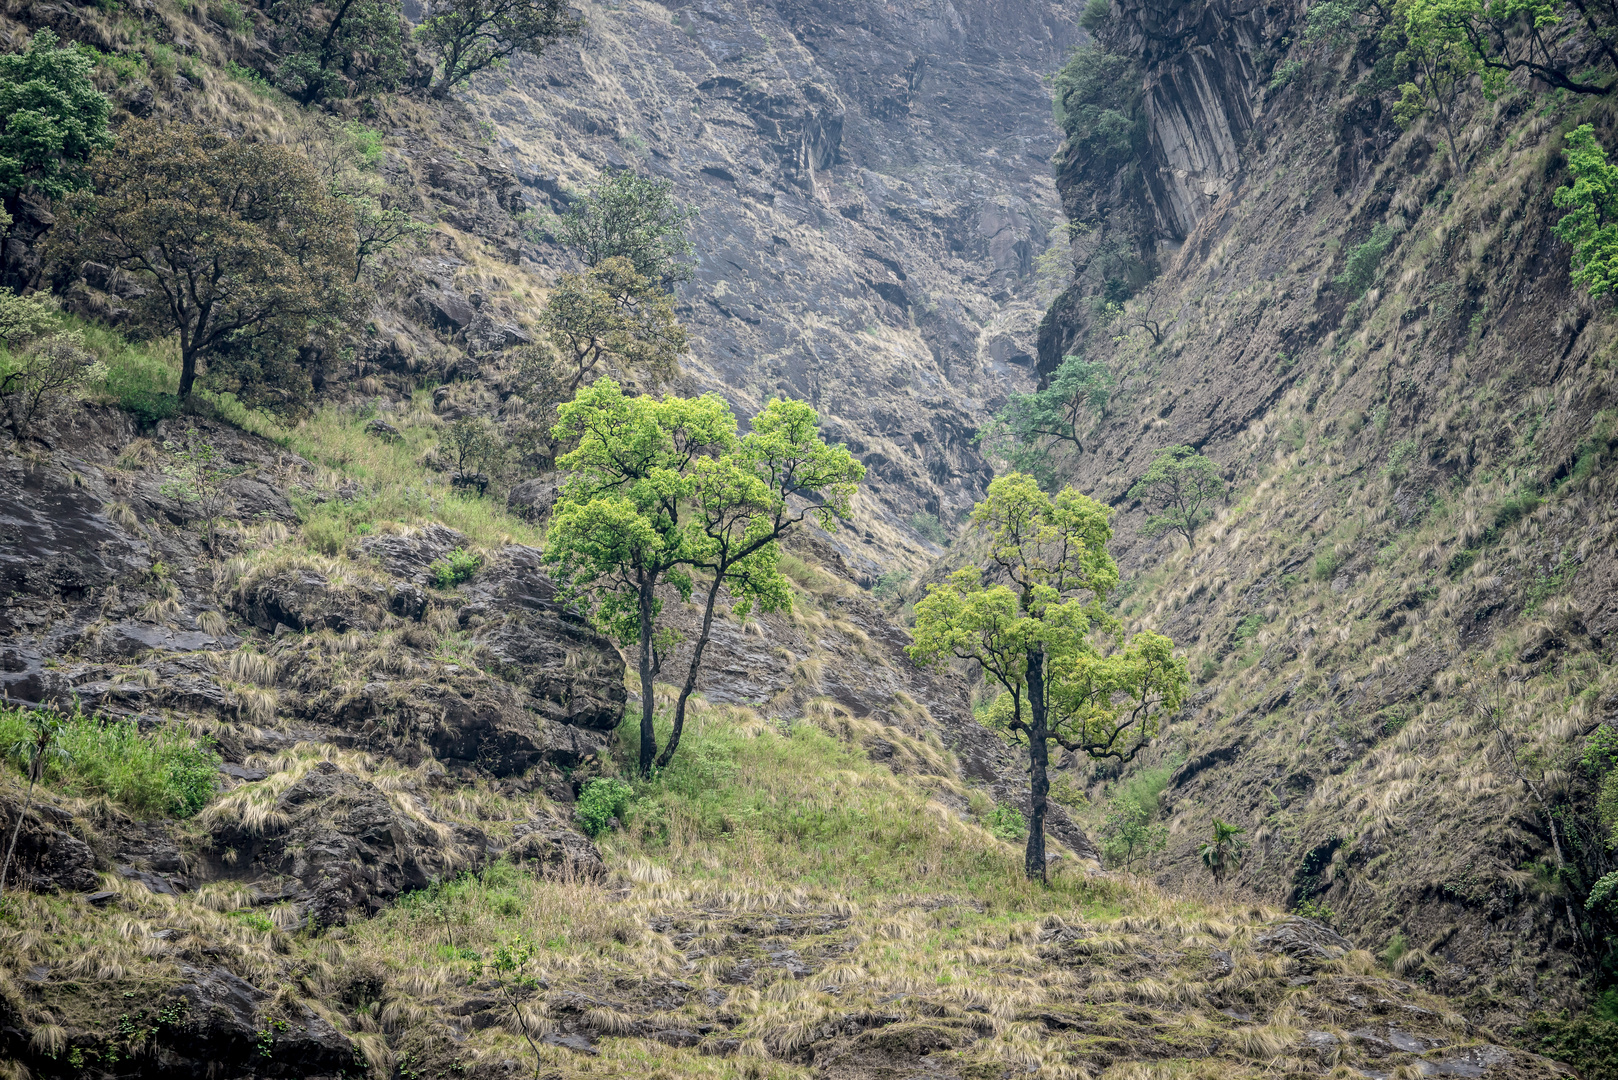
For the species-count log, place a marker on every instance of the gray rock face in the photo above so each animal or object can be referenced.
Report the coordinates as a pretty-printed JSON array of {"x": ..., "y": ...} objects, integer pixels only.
[
  {"x": 410, "y": 555},
  {"x": 342, "y": 845},
  {"x": 873, "y": 187},
  {"x": 49, "y": 858},
  {"x": 1304, "y": 939}
]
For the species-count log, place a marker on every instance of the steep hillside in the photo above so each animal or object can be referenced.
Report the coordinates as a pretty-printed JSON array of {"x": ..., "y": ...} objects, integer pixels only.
[{"x": 1402, "y": 615}]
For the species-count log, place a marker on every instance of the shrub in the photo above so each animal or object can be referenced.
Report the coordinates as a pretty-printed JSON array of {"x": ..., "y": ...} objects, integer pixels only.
[
  {"x": 1007, "y": 823},
  {"x": 1359, "y": 269},
  {"x": 1327, "y": 563},
  {"x": 52, "y": 118},
  {"x": 890, "y": 584},
  {"x": 163, "y": 772},
  {"x": 1096, "y": 97},
  {"x": 1315, "y": 909},
  {"x": 930, "y": 528},
  {"x": 454, "y": 568},
  {"x": 600, "y": 801},
  {"x": 1095, "y": 15}
]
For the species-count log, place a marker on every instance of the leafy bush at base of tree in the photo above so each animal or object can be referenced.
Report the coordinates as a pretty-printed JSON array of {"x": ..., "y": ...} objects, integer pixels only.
[
  {"x": 1588, "y": 1042},
  {"x": 165, "y": 771},
  {"x": 1006, "y": 822},
  {"x": 600, "y": 801}
]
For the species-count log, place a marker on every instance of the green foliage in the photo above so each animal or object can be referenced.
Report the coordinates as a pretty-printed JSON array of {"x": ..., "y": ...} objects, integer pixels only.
[
  {"x": 1249, "y": 626},
  {"x": 1591, "y": 222},
  {"x": 930, "y": 528},
  {"x": 52, "y": 118},
  {"x": 38, "y": 369},
  {"x": 1396, "y": 947},
  {"x": 1222, "y": 852},
  {"x": 345, "y": 50},
  {"x": 1129, "y": 832},
  {"x": 278, "y": 249},
  {"x": 1284, "y": 73},
  {"x": 1022, "y": 429},
  {"x": 1315, "y": 909},
  {"x": 469, "y": 36},
  {"x": 1178, "y": 486},
  {"x": 1006, "y": 822},
  {"x": 253, "y": 920},
  {"x": 662, "y": 487},
  {"x": 1037, "y": 636},
  {"x": 625, "y": 215},
  {"x": 890, "y": 584},
  {"x": 1095, "y": 15},
  {"x": 1588, "y": 1042},
  {"x": 474, "y": 445},
  {"x": 1096, "y": 97},
  {"x": 165, "y": 771},
  {"x": 1336, "y": 22},
  {"x": 454, "y": 568},
  {"x": 1360, "y": 267},
  {"x": 600, "y": 801}
]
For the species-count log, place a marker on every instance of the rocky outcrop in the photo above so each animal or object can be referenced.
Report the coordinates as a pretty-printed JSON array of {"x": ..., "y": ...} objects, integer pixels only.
[
  {"x": 49, "y": 858},
  {"x": 873, "y": 188}
]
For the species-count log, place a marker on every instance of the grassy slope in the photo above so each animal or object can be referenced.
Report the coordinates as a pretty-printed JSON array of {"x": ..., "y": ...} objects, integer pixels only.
[{"x": 1397, "y": 619}]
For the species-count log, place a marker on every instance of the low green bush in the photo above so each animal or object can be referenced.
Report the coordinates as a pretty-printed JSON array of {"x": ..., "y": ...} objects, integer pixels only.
[
  {"x": 454, "y": 568},
  {"x": 600, "y": 801},
  {"x": 1007, "y": 822},
  {"x": 165, "y": 771}
]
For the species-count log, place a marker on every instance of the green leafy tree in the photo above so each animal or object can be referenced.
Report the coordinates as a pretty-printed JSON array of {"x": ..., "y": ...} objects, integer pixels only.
[
  {"x": 510, "y": 969},
  {"x": 341, "y": 49},
  {"x": 41, "y": 375},
  {"x": 1222, "y": 853},
  {"x": 1129, "y": 834},
  {"x": 625, "y": 215},
  {"x": 1025, "y": 427},
  {"x": 1591, "y": 222},
  {"x": 1178, "y": 487},
  {"x": 1440, "y": 56},
  {"x": 42, "y": 746},
  {"x": 1503, "y": 36},
  {"x": 617, "y": 534},
  {"x": 234, "y": 241},
  {"x": 473, "y": 443},
  {"x": 610, "y": 315},
  {"x": 469, "y": 36},
  {"x": 743, "y": 502},
  {"x": 1035, "y": 631},
  {"x": 1097, "y": 100},
  {"x": 52, "y": 118}
]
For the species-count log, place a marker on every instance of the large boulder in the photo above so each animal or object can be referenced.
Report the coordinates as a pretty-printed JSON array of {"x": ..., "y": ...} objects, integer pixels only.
[
  {"x": 48, "y": 858},
  {"x": 297, "y": 597},
  {"x": 338, "y": 846},
  {"x": 410, "y": 555},
  {"x": 573, "y": 674}
]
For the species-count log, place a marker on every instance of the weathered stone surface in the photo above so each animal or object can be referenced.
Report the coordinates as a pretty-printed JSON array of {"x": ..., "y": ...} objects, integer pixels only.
[
  {"x": 410, "y": 555},
  {"x": 342, "y": 843},
  {"x": 49, "y": 858},
  {"x": 1304, "y": 939}
]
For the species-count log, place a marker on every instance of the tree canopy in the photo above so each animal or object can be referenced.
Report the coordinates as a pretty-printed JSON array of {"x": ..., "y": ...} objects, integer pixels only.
[
  {"x": 238, "y": 243},
  {"x": 337, "y": 50},
  {"x": 1035, "y": 623},
  {"x": 469, "y": 36},
  {"x": 1026, "y": 425},
  {"x": 1178, "y": 486},
  {"x": 52, "y": 118},
  {"x": 625, "y": 215},
  {"x": 662, "y": 488},
  {"x": 1591, "y": 221}
]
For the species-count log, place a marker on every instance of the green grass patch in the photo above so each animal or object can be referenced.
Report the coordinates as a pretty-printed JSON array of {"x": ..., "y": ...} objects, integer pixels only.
[{"x": 164, "y": 771}]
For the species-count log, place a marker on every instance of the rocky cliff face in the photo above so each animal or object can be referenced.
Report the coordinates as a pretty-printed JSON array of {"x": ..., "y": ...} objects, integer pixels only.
[
  {"x": 874, "y": 186},
  {"x": 1415, "y": 560}
]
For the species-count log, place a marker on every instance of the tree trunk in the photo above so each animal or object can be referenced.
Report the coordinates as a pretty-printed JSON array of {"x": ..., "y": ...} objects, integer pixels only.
[
  {"x": 188, "y": 374},
  {"x": 1039, "y": 785},
  {"x": 11, "y": 849},
  {"x": 691, "y": 675},
  {"x": 648, "y": 733}
]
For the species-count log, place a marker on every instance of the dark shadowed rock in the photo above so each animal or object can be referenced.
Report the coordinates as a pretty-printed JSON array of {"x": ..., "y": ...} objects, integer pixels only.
[
  {"x": 302, "y": 599},
  {"x": 555, "y": 850},
  {"x": 533, "y": 498},
  {"x": 49, "y": 858},
  {"x": 411, "y": 554}
]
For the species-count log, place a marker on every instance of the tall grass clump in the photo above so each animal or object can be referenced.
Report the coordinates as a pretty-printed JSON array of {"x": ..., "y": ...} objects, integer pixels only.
[{"x": 166, "y": 771}]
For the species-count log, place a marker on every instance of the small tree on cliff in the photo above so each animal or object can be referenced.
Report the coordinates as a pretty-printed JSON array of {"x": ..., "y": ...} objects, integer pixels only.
[
  {"x": 1177, "y": 487},
  {"x": 662, "y": 488},
  {"x": 625, "y": 215},
  {"x": 1034, "y": 632},
  {"x": 469, "y": 36},
  {"x": 236, "y": 242},
  {"x": 52, "y": 118}
]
